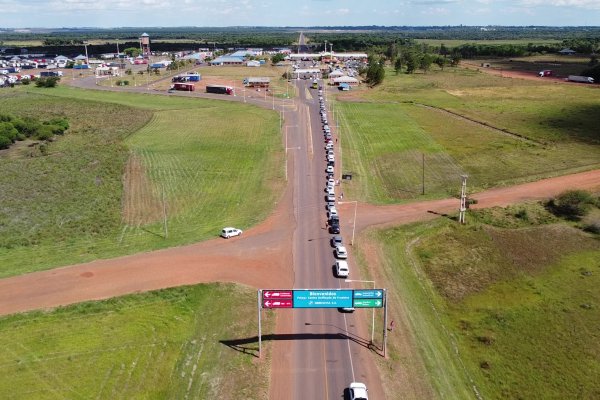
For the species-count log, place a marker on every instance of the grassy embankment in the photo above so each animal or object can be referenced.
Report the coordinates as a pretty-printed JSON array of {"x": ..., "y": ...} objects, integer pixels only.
[
  {"x": 506, "y": 304},
  {"x": 128, "y": 159},
  {"x": 524, "y": 130},
  {"x": 159, "y": 345}
]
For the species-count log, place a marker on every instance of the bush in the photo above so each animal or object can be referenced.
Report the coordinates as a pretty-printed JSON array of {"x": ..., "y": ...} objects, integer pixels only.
[
  {"x": 6, "y": 117},
  {"x": 13, "y": 128},
  {"x": 45, "y": 132},
  {"x": 4, "y": 142},
  {"x": 61, "y": 125},
  {"x": 8, "y": 131},
  {"x": 594, "y": 227},
  {"x": 27, "y": 126},
  {"x": 572, "y": 204},
  {"x": 47, "y": 82}
]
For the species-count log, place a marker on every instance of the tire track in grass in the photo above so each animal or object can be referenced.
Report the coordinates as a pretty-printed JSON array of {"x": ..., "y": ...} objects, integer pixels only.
[{"x": 51, "y": 387}]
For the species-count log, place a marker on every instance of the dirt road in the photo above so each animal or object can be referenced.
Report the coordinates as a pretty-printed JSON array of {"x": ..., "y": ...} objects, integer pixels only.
[{"x": 260, "y": 258}]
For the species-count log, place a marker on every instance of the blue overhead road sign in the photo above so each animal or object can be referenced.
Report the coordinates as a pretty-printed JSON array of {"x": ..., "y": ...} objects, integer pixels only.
[{"x": 325, "y": 298}]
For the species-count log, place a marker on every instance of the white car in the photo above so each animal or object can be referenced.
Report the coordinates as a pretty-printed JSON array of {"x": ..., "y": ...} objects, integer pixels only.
[
  {"x": 341, "y": 269},
  {"x": 358, "y": 391},
  {"x": 330, "y": 191},
  {"x": 330, "y": 182},
  {"x": 333, "y": 212},
  {"x": 331, "y": 157},
  {"x": 329, "y": 169},
  {"x": 230, "y": 232},
  {"x": 341, "y": 253}
]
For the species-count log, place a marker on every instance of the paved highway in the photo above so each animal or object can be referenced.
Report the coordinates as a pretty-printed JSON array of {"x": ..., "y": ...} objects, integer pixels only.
[{"x": 328, "y": 351}]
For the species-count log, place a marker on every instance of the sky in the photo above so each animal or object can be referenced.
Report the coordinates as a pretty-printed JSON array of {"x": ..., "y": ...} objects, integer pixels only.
[{"x": 211, "y": 13}]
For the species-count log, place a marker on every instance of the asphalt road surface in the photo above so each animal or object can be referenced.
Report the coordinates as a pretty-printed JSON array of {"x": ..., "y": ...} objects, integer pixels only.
[{"x": 328, "y": 350}]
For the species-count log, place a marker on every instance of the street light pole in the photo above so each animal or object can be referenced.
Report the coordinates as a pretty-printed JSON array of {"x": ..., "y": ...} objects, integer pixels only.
[
  {"x": 87, "y": 60},
  {"x": 373, "y": 317}
]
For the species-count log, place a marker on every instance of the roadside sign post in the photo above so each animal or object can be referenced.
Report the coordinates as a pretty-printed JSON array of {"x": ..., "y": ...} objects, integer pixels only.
[
  {"x": 324, "y": 298},
  {"x": 259, "y": 297},
  {"x": 384, "y": 323}
]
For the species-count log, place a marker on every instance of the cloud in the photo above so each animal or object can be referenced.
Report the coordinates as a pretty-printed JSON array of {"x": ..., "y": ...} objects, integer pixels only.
[
  {"x": 431, "y": 2},
  {"x": 435, "y": 11},
  {"x": 585, "y": 4}
]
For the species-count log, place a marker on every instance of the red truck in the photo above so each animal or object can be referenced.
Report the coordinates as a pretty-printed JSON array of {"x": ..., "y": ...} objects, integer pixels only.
[{"x": 186, "y": 87}]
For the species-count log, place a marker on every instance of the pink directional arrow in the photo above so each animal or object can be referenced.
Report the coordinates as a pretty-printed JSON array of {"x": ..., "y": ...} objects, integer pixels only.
[
  {"x": 277, "y": 304},
  {"x": 280, "y": 294}
]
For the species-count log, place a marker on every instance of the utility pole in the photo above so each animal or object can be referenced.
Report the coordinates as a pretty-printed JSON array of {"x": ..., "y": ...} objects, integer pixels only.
[
  {"x": 463, "y": 200},
  {"x": 87, "y": 60},
  {"x": 165, "y": 213},
  {"x": 423, "y": 177}
]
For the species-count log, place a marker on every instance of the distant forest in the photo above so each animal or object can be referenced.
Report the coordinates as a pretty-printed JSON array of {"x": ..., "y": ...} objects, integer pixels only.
[{"x": 585, "y": 40}]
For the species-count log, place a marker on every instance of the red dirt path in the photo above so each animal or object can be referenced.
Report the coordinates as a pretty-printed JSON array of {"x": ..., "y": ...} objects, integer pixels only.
[{"x": 260, "y": 258}]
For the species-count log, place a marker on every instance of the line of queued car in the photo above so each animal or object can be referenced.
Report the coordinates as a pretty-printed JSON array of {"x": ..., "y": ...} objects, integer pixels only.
[{"x": 341, "y": 269}]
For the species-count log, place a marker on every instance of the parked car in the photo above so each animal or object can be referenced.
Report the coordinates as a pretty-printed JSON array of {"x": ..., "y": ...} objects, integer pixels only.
[
  {"x": 334, "y": 228},
  {"x": 230, "y": 232},
  {"x": 332, "y": 213},
  {"x": 336, "y": 241},
  {"x": 358, "y": 391},
  {"x": 341, "y": 269},
  {"x": 329, "y": 169},
  {"x": 340, "y": 252}
]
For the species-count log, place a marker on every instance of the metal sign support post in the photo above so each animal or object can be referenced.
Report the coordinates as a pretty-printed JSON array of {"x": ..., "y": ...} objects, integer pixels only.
[
  {"x": 463, "y": 200},
  {"x": 259, "y": 325},
  {"x": 384, "y": 322}
]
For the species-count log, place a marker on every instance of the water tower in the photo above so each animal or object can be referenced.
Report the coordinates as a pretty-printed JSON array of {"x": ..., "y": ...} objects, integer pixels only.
[{"x": 145, "y": 45}]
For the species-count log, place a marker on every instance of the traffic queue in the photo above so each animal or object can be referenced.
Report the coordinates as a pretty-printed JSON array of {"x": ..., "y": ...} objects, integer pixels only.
[{"x": 341, "y": 269}]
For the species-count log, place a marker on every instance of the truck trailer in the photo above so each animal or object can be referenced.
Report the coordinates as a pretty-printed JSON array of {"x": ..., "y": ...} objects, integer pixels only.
[
  {"x": 219, "y": 89},
  {"x": 193, "y": 76},
  {"x": 582, "y": 79},
  {"x": 51, "y": 73},
  {"x": 186, "y": 87}
]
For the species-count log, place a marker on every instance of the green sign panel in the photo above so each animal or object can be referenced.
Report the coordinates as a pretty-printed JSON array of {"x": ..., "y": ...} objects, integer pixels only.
[{"x": 368, "y": 303}]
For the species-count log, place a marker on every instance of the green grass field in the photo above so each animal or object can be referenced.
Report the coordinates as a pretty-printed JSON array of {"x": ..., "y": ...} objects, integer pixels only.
[
  {"x": 128, "y": 160},
  {"x": 513, "y": 293},
  {"x": 562, "y": 66},
  {"x": 512, "y": 131},
  {"x": 165, "y": 344}
]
